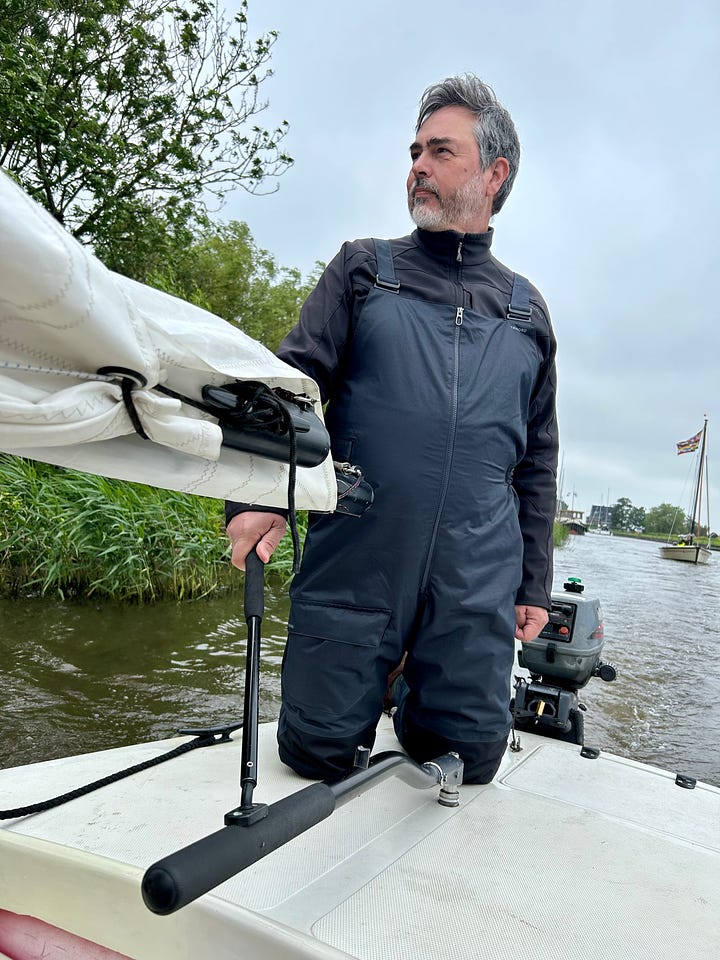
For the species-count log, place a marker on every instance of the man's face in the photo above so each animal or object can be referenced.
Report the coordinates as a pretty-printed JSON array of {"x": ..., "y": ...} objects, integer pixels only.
[{"x": 447, "y": 187}]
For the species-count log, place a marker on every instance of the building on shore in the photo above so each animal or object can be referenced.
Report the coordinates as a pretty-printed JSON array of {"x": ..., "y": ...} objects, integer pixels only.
[{"x": 600, "y": 515}]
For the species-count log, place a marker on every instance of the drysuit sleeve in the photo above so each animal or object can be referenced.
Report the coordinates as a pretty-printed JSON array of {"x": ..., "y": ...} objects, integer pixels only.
[
  {"x": 534, "y": 478},
  {"x": 316, "y": 345}
]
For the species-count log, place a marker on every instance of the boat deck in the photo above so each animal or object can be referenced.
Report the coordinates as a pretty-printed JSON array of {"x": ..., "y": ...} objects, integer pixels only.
[{"x": 560, "y": 856}]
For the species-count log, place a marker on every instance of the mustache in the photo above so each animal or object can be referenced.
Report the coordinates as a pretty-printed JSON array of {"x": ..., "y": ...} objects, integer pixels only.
[{"x": 423, "y": 184}]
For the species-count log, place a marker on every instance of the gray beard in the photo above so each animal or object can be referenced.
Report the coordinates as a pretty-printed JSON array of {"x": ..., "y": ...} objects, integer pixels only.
[{"x": 459, "y": 207}]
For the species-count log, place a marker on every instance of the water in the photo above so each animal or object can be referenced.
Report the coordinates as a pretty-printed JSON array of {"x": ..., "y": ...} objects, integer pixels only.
[
  {"x": 76, "y": 678},
  {"x": 662, "y": 630}
]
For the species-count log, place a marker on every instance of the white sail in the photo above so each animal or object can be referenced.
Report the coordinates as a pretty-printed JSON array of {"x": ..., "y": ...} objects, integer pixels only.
[{"x": 63, "y": 316}]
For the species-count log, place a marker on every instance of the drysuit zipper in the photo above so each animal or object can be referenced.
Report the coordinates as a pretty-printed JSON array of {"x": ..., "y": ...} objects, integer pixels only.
[{"x": 450, "y": 446}]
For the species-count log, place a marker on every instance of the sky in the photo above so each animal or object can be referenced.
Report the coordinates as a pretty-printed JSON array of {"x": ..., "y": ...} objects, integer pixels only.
[{"x": 614, "y": 215}]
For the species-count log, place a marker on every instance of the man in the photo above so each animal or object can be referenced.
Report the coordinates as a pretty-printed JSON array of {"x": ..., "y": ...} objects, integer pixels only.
[{"x": 437, "y": 365}]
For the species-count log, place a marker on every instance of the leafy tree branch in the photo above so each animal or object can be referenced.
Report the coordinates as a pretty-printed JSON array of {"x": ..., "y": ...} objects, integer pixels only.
[{"x": 115, "y": 110}]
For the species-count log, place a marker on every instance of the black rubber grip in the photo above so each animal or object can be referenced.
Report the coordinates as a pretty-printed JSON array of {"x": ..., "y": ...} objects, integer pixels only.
[
  {"x": 182, "y": 877},
  {"x": 254, "y": 585}
]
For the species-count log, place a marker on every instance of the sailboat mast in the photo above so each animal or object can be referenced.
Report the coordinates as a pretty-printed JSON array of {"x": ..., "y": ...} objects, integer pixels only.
[
  {"x": 695, "y": 520},
  {"x": 707, "y": 499}
]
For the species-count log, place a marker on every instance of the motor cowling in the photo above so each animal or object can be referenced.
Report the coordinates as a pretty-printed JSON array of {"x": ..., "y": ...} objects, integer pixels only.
[{"x": 567, "y": 651}]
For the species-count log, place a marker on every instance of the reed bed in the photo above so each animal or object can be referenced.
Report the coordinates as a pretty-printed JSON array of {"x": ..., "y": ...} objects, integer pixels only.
[{"x": 76, "y": 535}]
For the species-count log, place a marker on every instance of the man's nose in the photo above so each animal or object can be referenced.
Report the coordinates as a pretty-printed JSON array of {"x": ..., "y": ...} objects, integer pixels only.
[{"x": 420, "y": 165}]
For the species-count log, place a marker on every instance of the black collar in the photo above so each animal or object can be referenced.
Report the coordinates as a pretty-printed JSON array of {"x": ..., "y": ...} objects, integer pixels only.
[{"x": 445, "y": 244}]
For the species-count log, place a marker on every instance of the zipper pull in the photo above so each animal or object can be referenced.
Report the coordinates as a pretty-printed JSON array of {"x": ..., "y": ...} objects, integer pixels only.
[
  {"x": 458, "y": 257},
  {"x": 459, "y": 316}
]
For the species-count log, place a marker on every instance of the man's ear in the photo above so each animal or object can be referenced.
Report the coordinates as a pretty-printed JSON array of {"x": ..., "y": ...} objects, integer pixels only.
[{"x": 499, "y": 171}]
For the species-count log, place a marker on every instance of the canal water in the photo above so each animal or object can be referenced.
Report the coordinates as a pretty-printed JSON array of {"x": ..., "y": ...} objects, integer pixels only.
[{"x": 76, "y": 678}]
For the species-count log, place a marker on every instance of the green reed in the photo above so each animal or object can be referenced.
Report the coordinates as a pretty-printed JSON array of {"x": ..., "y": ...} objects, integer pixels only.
[
  {"x": 560, "y": 534},
  {"x": 77, "y": 535}
]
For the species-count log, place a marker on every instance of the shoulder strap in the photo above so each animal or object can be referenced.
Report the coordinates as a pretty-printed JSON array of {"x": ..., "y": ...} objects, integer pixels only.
[
  {"x": 519, "y": 307},
  {"x": 519, "y": 311},
  {"x": 385, "y": 278}
]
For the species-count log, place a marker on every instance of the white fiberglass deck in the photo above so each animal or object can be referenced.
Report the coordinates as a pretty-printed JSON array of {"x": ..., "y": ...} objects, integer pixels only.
[{"x": 561, "y": 857}]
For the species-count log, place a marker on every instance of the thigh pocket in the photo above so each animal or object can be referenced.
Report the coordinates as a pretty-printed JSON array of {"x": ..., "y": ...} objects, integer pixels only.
[{"x": 329, "y": 669}]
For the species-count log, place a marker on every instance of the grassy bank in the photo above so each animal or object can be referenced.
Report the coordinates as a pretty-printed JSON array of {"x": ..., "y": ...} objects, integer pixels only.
[
  {"x": 76, "y": 535},
  {"x": 663, "y": 538}
]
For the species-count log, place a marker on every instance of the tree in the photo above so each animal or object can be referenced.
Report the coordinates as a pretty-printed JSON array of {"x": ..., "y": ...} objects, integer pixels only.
[
  {"x": 123, "y": 116},
  {"x": 225, "y": 272},
  {"x": 637, "y": 519},
  {"x": 621, "y": 514},
  {"x": 666, "y": 518}
]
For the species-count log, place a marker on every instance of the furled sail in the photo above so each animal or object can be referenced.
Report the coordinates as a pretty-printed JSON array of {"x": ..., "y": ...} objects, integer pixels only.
[{"x": 64, "y": 317}]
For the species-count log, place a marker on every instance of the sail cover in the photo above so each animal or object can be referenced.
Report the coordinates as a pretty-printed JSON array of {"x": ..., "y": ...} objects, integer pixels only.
[{"x": 64, "y": 316}]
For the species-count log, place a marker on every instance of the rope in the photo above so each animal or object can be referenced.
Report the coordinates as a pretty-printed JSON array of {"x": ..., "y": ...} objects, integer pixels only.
[
  {"x": 207, "y": 739},
  {"x": 292, "y": 515},
  {"x": 262, "y": 409}
]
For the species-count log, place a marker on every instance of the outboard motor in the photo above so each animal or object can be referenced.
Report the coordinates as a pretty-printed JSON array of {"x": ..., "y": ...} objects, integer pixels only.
[{"x": 561, "y": 661}]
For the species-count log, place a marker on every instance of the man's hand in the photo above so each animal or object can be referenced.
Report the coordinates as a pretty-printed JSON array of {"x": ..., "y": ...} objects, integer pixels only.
[
  {"x": 264, "y": 531},
  {"x": 529, "y": 621}
]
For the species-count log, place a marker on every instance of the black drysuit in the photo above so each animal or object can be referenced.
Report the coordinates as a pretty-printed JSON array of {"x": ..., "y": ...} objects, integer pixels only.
[{"x": 447, "y": 403}]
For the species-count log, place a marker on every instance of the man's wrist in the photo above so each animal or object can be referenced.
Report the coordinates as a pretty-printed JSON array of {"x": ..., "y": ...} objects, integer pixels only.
[{"x": 234, "y": 508}]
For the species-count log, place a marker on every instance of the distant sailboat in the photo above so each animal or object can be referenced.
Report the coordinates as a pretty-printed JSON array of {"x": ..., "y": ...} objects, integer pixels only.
[{"x": 687, "y": 548}]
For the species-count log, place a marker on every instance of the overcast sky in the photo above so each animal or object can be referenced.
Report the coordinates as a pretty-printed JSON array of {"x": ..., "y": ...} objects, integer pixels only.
[{"x": 614, "y": 215}]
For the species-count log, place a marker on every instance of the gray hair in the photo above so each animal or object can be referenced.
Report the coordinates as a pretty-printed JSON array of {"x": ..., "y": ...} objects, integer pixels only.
[{"x": 494, "y": 131}]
